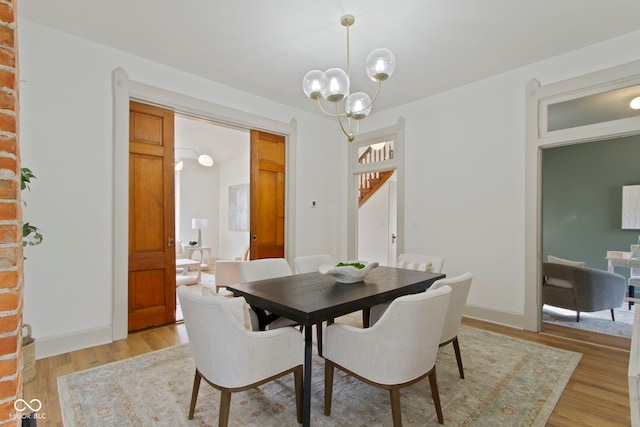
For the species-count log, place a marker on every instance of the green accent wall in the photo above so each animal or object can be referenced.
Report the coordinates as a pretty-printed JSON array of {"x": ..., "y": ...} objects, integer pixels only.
[{"x": 582, "y": 199}]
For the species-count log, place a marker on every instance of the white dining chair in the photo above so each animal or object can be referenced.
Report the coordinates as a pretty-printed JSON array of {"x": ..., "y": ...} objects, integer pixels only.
[
  {"x": 399, "y": 350},
  {"x": 311, "y": 263},
  {"x": 227, "y": 272},
  {"x": 460, "y": 286},
  {"x": 225, "y": 351},
  {"x": 263, "y": 269},
  {"x": 431, "y": 263}
]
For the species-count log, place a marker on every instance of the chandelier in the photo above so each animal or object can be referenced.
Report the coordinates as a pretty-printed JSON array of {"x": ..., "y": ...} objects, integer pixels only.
[{"x": 333, "y": 85}]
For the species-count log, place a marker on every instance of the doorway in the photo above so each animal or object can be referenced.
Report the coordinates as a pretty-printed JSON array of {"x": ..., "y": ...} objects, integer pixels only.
[
  {"x": 377, "y": 222},
  {"x": 541, "y": 133},
  {"x": 125, "y": 90},
  {"x": 376, "y": 172}
]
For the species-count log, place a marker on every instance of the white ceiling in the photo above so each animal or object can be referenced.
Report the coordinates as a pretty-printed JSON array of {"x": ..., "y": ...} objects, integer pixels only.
[{"x": 266, "y": 47}]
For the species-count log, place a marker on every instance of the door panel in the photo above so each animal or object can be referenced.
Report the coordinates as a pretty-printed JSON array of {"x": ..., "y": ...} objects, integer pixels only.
[
  {"x": 267, "y": 195},
  {"x": 151, "y": 217}
]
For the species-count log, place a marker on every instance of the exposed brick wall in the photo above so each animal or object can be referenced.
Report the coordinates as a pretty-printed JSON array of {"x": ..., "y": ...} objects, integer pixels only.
[{"x": 11, "y": 273}]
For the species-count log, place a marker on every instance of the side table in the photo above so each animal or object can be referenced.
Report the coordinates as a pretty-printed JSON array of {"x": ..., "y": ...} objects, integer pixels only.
[
  {"x": 189, "y": 250},
  {"x": 188, "y": 276}
]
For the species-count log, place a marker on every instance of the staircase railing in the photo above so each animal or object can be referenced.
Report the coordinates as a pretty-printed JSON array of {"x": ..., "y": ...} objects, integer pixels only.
[{"x": 370, "y": 182}]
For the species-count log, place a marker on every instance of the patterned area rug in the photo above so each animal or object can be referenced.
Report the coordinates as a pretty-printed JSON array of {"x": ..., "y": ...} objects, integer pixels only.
[
  {"x": 508, "y": 382},
  {"x": 599, "y": 321}
]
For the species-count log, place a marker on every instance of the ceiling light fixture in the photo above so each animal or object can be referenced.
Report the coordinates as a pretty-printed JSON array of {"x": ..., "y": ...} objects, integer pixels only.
[
  {"x": 204, "y": 159},
  {"x": 334, "y": 85},
  {"x": 635, "y": 103}
]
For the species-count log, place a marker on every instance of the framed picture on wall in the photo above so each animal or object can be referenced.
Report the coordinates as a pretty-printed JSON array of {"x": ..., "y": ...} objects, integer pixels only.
[{"x": 239, "y": 207}]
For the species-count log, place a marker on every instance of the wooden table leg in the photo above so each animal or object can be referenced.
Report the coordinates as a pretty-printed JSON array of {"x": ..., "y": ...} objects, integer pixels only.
[{"x": 306, "y": 389}]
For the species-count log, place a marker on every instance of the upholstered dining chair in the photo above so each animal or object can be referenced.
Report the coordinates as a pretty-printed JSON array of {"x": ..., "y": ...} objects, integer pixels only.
[
  {"x": 422, "y": 262},
  {"x": 227, "y": 272},
  {"x": 263, "y": 269},
  {"x": 311, "y": 263},
  {"x": 225, "y": 355},
  {"x": 399, "y": 350},
  {"x": 460, "y": 286}
]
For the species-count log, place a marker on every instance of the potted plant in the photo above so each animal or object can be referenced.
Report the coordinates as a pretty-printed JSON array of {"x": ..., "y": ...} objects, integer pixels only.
[{"x": 31, "y": 235}]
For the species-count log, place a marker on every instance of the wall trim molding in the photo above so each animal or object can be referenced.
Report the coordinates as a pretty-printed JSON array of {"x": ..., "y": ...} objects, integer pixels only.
[
  {"x": 125, "y": 90},
  {"x": 58, "y": 344},
  {"x": 505, "y": 318},
  {"x": 537, "y": 97}
]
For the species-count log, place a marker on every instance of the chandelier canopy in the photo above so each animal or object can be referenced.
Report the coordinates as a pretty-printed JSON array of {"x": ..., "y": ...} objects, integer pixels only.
[{"x": 333, "y": 85}]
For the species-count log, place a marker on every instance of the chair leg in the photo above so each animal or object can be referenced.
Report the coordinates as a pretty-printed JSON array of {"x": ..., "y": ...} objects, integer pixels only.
[
  {"x": 435, "y": 394},
  {"x": 613, "y": 317},
  {"x": 456, "y": 348},
  {"x": 225, "y": 405},
  {"x": 328, "y": 386},
  {"x": 577, "y": 316},
  {"x": 319, "y": 335},
  {"x": 394, "y": 394},
  {"x": 194, "y": 393},
  {"x": 297, "y": 378}
]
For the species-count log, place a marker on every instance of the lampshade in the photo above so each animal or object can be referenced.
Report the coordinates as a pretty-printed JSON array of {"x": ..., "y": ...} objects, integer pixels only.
[
  {"x": 205, "y": 160},
  {"x": 311, "y": 84},
  {"x": 380, "y": 64},
  {"x": 359, "y": 104},
  {"x": 199, "y": 223},
  {"x": 334, "y": 84},
  {"x": 635, "y": 103}
]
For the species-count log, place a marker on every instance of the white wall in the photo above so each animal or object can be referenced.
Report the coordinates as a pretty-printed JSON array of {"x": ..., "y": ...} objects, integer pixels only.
[
  {"x": 199, "y": 198},
  {"x": 66, "y": 138},
  {"x": 231, "y": 243},
  {"x": 465, "y": 178}
]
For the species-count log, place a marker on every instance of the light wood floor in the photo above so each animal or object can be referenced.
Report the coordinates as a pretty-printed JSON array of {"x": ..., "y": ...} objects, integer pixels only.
[{"x": 596, "y": 395}]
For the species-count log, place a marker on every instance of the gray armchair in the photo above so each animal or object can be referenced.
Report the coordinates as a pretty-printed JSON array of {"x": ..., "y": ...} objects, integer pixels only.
[{"x": 582, "y": 288}]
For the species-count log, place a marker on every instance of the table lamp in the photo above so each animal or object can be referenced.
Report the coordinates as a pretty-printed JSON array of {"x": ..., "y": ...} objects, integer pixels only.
[{"x": 199, "y": 224}]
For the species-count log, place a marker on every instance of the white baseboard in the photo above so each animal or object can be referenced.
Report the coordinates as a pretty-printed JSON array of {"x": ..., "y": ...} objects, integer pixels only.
[
  {"x": 59, "y": 344},
  {"x": 513, "y": 320}
]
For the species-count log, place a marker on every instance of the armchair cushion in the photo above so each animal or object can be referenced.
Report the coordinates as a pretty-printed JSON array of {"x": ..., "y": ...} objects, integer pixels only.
[
  {"x": 556, "y": 260},
  {"x": 553, "y": 281}
]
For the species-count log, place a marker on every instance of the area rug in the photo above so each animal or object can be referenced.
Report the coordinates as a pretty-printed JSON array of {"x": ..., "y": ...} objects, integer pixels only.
[
  {"x": 599, "y": 321},
  {"x": 508, "y": 382}
]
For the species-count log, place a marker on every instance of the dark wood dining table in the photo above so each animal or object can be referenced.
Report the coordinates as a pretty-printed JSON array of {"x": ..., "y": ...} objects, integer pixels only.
[{"x": 312, "y": 298}]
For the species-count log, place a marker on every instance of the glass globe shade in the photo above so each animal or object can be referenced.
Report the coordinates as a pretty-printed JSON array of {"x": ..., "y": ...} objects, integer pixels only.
[
  {"x": 359, "y": 104},
  {"x": 334, "y": 85},
  {"x": 205, "y": 160},
  {"x": 179, "y": 165},
  {"x": 380, "y": 64},
  {"x": 311, "y": 84},
  {"x": 635, "y": 103}
]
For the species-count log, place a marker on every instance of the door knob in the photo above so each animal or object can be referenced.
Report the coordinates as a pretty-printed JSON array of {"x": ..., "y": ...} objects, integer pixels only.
[{"x": 170, "y": 242}]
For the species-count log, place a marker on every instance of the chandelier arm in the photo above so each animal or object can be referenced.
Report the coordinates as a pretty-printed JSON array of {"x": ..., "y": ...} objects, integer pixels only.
[
  {"x": 375, "y": 95},
  {"x": 338, "y": 117},
  {"x": 328, "y": 113}
]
